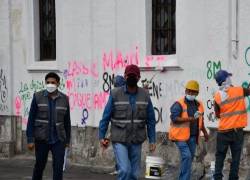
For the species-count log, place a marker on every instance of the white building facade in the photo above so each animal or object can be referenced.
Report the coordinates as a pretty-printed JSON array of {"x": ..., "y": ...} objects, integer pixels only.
[{"x": 96, "y": 39}]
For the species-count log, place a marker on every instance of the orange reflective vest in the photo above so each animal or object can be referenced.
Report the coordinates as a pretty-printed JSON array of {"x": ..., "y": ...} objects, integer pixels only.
[
  {"x": 233, "y": 112},
  {"x": 181, "y": 131}
]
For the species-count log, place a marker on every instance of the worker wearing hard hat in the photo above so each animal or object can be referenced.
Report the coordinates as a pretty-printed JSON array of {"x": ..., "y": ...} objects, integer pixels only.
[
  {"x": 186, "y": 123},
  {"x": 230, "y": 108}
]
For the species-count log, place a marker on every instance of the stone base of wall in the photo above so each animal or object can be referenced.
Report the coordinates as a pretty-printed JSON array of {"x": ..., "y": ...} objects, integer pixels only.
[
  {"x": 85, "y": 150},
  {"x": 10, "y": 136},
  {"x": 7, "y": 149}
]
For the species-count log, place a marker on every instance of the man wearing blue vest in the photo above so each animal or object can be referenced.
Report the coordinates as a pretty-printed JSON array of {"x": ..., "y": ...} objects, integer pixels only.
[
  {"x": 49, "y": 127},
  {"x": 131, "y": 112}
]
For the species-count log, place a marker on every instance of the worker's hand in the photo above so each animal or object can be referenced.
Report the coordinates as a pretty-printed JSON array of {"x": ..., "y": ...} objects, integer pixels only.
[
  {"x": 191, "y": 119},
  {"x": 197, "y": 114},
  {"x": 104, "y": 143},
  {"x": 31, "y": 146},
  {"x": 152, "y": 147}
]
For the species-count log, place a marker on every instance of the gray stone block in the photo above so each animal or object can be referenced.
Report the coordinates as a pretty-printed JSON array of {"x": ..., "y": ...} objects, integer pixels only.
[{"x": 7, "y": 149}]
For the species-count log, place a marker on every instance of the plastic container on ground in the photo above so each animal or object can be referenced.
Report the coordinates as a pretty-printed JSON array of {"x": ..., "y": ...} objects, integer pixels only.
[{"x": 154, "y": 167}]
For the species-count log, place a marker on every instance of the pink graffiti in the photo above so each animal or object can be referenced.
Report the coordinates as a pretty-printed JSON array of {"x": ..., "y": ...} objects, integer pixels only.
[
  {"x": 100, "y": 100},
  {"x": 76, "y": 68},
  {"x": 87, "y": 100},
  {"x": 109, "y": 60},
  {"x": 73, "y": 84},
  {"x": 69, "y": 84},
  {"x": 18, "y": 104},
  {"x": 149, "y": 60}
]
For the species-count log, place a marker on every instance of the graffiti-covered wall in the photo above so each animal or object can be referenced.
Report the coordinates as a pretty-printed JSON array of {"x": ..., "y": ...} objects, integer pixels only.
[
  {"x": 4, "y": 93},
  {"x": 97, "y": 39},
  {"x": 5, "y": 60}
]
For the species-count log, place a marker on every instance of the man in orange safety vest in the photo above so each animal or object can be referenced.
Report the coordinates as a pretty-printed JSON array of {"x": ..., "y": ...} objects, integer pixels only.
[
  {"x": 186, "y": 124},
  {"x": 230, "y": 109}
]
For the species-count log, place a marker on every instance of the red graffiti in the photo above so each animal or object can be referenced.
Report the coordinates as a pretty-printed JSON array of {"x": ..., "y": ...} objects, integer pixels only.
[
  {"x": 87, "y": 100},
  {"x": 149, "y": 60},
  {"x": 109, "y": 60},
  {"x": 18, "y": 104},
  {"x": 69, "y": 84},
  {"x": 100, "y": 100},
  {"x": 76, "y": 68}
]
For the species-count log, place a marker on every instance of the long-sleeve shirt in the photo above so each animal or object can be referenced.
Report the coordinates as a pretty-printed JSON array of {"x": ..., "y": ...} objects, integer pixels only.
[
  {"x": 53, "y": 137},
  {"x": 192, "y": 107},
  {"x": 150, "y": 122}
]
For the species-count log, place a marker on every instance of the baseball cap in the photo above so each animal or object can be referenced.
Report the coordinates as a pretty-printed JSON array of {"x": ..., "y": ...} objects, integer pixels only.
[
  {"x": 221, "y": 76},
  {"x": 132, "y": 69}
]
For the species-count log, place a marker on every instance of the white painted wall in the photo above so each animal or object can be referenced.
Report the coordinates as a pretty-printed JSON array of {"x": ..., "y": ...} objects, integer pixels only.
[
  {"x": 5, "y": 59},
  {"x": 90, "y": 32}
]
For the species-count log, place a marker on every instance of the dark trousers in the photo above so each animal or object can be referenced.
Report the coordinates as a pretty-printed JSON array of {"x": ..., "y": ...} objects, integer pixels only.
[
  {"x": 234, "y": 140},
  {"x": 42, "y": 150}
]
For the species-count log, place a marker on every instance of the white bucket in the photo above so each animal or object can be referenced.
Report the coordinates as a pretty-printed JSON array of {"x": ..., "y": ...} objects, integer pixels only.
[{"x": 154, "y": 167}]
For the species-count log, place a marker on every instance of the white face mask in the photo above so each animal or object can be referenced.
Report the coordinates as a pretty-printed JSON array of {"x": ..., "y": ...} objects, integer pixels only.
[
  {"x": 190, "y": 97},
  {"x": 51, "y": 87},
  {"x": 226, "y": 84},
  {"x": 228, "y": 81}
]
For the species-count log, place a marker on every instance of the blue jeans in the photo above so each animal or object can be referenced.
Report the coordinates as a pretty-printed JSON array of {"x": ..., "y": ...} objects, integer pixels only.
[
  {"x": 42, "y": 150},
  {"x": 128, "y": 160},
  {"x": 187, "y": 151}
]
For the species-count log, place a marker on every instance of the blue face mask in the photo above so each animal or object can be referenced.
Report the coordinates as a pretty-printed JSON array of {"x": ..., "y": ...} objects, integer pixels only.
[{"x": 190, "y": 97}]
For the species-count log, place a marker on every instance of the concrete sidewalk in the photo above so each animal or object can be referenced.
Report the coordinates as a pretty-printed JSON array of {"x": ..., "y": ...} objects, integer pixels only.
[{"x": 19, "y": 168}]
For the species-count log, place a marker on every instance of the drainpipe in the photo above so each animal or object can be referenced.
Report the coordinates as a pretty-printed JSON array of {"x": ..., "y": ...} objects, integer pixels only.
[{"x": 235, "y": 27}]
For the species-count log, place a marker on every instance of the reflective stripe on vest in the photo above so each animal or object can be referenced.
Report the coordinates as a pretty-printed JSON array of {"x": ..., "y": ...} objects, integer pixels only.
[
  {"x": 125, "y": 103},
  {"x": 121, "y": 103},
  {"x": 46, "y": 122},
  {"x": 223, "y": 115},
  {"x": 59, "y": 107},
  {"x": 227, "y": 101},
  {"x": 42, "y": 121},
  {"x": 59, "y": 123},
  {"x": 181, "y": 131},
  {"x": 42, "y": 105},
  {"x": 127, "y": 121},
  {"x": 233, "y": 113}
]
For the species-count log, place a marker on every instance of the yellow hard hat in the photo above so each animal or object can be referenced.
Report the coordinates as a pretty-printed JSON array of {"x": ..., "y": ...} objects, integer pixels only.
[{"x": 192, "y": 85}]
